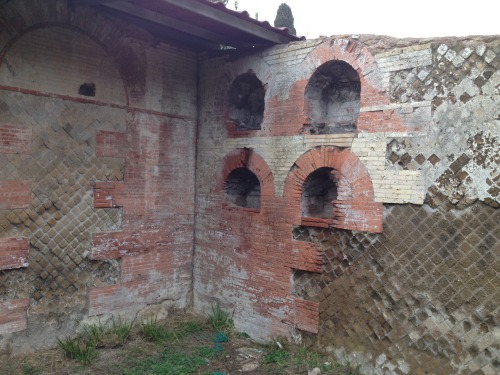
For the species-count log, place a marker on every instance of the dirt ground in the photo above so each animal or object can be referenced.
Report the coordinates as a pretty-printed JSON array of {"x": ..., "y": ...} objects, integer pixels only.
[{"x": 190, "y": 345}]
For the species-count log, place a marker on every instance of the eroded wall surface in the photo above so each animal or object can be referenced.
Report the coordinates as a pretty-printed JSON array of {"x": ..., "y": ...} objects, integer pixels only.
[
  {"x": 97, "y": 131},
  {"x": 404, "y": 277}
]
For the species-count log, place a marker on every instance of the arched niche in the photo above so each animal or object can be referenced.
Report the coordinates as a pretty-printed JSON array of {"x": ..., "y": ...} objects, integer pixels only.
[
  {"x": 246, "y": 102},
  {"x": 332, "y": 98},
  {"x": 242, "y": 188},
  {"x": 320, "y": 190}
]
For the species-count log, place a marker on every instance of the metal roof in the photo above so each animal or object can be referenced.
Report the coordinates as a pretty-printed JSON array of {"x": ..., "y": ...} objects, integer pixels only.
[{"x": 197, "y": 24}]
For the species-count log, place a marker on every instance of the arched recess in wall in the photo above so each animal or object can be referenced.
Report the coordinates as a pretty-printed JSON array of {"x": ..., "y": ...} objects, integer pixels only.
[
  {"x": 245, "y": 103},
  {"x": 85, "y": 69},
  {"x": 246, "y": 181},
  {"x": 373, "y": 117},
  {"x": 325, "y": 173},
  {"x": 332, "y": 99}
]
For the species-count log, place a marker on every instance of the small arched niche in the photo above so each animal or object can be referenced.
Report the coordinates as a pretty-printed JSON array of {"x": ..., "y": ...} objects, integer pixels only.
[
  {"x": 242, "y": 188},
  {"x": 246, "y": 102},
  {"x": 320, "y": 189},
  {"x": 333, "y": 98}
]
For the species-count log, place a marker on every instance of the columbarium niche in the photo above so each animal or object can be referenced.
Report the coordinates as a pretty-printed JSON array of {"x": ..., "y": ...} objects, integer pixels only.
[
  {"x": 246, "y": 102},
  {"x": 333, "y": 98},
  {"x": 320, "y": 190},
  {"x": 242, "y": 188}
]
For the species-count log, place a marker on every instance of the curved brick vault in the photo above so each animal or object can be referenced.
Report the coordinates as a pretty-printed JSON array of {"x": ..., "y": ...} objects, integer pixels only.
[
  {"x": 354, "y": 208},
  {"x": 247, "y": 158}
]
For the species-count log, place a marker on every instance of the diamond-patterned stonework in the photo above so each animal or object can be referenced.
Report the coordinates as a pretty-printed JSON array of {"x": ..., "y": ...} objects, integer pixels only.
[
  {"x": 425, "y": 293},
  {"x": 60, "y": 221}
]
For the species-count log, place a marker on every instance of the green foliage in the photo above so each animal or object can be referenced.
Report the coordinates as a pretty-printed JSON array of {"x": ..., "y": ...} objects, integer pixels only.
[
  {"x": 278, "y": 353},
  {"x": 119, "y": 332},
  {"x": 78, "y": 348},
  {"x": 284, "y": 18},
  {"x": 153, "y": 331},
  {"x": 83, "y": 347},
  {"x": 94, "y": 334},
  {"x": 30, "y": 370},
  {"x": 281, "y": 357},
  {"x": 220, "y": 320},
  {"x": 172, "y": 362}
]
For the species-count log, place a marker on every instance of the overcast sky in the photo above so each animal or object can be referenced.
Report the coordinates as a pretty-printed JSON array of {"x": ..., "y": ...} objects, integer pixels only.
[{"x": 418, "y": 18}]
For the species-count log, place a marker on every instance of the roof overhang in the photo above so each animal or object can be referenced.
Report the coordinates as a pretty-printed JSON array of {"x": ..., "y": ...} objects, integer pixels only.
[{"x": 197, "y": 24}]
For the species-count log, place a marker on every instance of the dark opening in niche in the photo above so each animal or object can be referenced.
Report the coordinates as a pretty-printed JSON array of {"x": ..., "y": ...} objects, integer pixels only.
[
  {"x": 246, "y": 102},
  {"x": 333, "y": 95},
  {"x": 243, "y": 188},
  {"x": 87, "y": 89},
  {"x": 320, "y": 189}
]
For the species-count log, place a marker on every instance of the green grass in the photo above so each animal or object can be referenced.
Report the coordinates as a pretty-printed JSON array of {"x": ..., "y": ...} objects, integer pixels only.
[
  {"x": 172, "y": 361},
  {"x": 30, "y": 370},
  {"x": 82, "y": 348},
  {"x": 181, "y": 346},
  {"x": 284, "y": 358},
  {"x": 153, "y": 331},
  {"x": 94, "y": 334},
  {"x": 78, "y": 348},
  {"x": 278, "y": 353},
  {"x": 118, "y": 333},
  {"x": 220, "y": 320}
]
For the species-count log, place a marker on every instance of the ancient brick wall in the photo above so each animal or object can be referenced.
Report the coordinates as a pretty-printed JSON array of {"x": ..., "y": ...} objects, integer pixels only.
[
  {"x": 97, "y": 145},
  {"x": 403, "y": 276}
]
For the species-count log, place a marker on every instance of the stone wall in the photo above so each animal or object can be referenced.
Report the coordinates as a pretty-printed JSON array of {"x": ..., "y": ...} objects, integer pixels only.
[
  {"x": 106, "y": 134},
  {"x": 403, "y": 278},
  {"x": 97, "y": 147}
]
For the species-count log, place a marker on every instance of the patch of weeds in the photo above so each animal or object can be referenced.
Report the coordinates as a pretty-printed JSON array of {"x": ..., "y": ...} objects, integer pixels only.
[
  {"x": 219, "y": 319},
  {"x": 153, "y": 331},
  {"x": 30, "y": 370},
  {"x": 189, "y": 328},
  {"x": 278, "y": 354},
  {"x": 83, "y": 347},
  {"x": 172, "y": 362},
  {"x": 94, "y": 334},
  {"x": 78, "y": 348},
  {"x": 118, "y": 333},
  {"x": 304, "y": 359}
]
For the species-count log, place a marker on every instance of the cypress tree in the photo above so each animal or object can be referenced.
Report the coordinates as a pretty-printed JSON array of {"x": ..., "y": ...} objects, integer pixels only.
[{"x": 284, "y": 18}]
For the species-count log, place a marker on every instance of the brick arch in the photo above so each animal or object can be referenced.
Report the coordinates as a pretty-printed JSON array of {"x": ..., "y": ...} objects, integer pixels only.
[
  {"x": 354, "y": 208},
  {"x": 248, "y": 158},
  {"x": 372, "y": 94}
]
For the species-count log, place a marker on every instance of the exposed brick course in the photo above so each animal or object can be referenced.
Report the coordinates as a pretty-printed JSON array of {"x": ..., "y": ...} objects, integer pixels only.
[
  {"x": 13, "y": 253},
  {"x": 13, "y": 315},
  {"x": 15, "y": 194},
  {"x": 15, "y": 140}
]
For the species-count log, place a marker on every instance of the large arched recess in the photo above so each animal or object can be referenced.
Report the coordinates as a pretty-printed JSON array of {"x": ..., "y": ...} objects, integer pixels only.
[
  {"x": 86, "y": 71},
  {"x": 354, "y": 207},
  {"x": 373, "y": 117}
]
